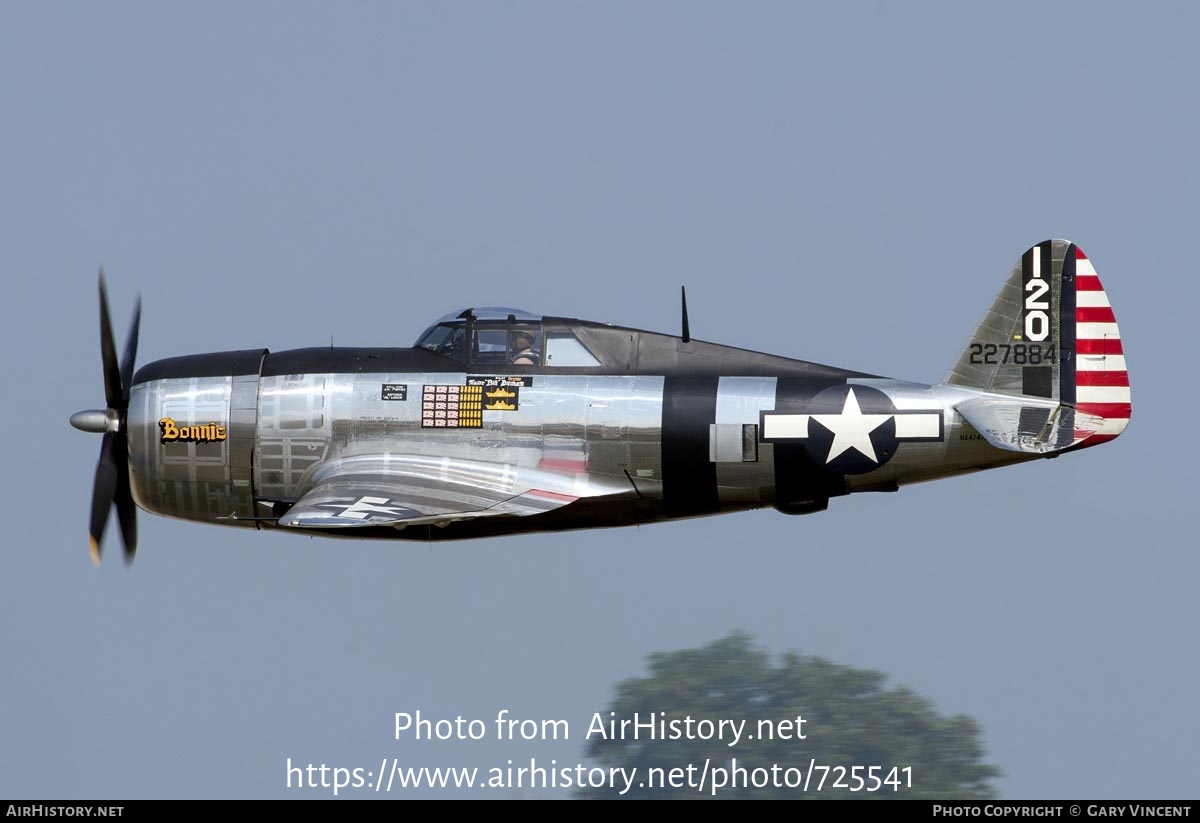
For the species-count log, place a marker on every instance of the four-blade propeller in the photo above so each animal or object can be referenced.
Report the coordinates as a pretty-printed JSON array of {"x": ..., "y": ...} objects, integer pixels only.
[{"x": 111, "y": 488}]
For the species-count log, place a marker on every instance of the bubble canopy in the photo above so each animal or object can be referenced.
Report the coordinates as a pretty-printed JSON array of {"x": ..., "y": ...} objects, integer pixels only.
[{"x": 448, "y": 335}]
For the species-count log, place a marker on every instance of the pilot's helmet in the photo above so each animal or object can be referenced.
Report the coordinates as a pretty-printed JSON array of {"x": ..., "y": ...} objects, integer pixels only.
[{"x": 528, "y": 334}]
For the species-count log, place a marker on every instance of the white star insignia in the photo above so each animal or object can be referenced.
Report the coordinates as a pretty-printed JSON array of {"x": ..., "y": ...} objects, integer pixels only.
[{"x": 852, "y": 429}]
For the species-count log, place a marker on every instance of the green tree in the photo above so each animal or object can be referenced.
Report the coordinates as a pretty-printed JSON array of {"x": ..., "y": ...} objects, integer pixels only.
[{"x": 849, "y": 719}]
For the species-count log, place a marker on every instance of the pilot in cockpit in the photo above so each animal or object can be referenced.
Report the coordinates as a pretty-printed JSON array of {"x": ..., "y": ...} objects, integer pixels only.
[{"x": 520, "y": 348}]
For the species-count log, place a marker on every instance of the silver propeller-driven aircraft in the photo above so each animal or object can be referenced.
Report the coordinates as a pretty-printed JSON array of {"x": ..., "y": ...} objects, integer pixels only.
[{"x": 499, "y": 421}]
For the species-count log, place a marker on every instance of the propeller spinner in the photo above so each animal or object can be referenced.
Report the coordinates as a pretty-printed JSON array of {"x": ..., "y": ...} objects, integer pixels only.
[{"x": 111, "y": 488}]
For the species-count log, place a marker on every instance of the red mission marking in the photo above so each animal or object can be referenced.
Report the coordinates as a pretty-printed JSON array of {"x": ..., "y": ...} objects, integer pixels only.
[
  {"x": 1109, "y": 411},
  {"x": 1101, "y": 378},
  {"x": 1099, "y": 345},
  {"x": 1094, "y": 439},
  {"x": 1094, "y": 314}
]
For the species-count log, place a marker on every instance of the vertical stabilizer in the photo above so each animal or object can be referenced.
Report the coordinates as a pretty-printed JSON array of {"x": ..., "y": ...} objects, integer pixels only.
[{"x": 1051, "y": 334}]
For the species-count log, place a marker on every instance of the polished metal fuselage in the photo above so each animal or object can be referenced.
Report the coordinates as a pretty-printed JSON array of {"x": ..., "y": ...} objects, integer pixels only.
[{"x": 642, "y": 447}]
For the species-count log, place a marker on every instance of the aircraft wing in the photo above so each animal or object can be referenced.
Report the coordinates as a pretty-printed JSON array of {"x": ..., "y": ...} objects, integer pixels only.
[{"x": 403, "y": 490}]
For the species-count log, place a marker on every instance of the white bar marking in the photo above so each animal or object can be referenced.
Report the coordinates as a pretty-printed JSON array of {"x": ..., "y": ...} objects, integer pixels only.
[
  {"x": 1101, "y": 362},
  {"x": 1096, "y": 331},
  {"x": 784, "y": 425},
  {"x": 1102, "y": 394},
  {"x": 1092, "y": 300},
  {"x": 917, "y": 425}
]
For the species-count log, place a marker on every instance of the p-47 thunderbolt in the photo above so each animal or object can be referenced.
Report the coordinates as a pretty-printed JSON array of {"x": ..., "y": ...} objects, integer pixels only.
[{"x": 499, "y": 421}]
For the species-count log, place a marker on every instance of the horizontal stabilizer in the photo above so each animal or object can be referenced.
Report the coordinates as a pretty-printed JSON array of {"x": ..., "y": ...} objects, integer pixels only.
[{"x": 1028, "y": 424}]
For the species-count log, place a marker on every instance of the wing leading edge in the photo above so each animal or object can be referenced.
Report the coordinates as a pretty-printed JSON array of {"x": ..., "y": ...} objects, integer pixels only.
[{"x": 404, "y": 490}]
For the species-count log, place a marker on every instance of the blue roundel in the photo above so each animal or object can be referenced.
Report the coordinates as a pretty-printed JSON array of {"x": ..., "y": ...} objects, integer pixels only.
[{"x": 851, "y": 429}]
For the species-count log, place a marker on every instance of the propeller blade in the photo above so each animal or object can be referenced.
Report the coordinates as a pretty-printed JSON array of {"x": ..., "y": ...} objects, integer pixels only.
[
  {"x": 108, "y": 474},
  {"x": 112, "y": 486},
  {"x": 113, "y": 393},
  {"x": 126, "y": 509},
  {"x": 130, "y": 355}
]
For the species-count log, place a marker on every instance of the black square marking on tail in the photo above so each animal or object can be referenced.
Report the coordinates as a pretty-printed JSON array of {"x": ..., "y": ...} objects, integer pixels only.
[{"x": 1037, "y": 381}]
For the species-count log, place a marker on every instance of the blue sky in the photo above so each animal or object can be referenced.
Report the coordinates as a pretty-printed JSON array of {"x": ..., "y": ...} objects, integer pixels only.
[{"x": 846, "y": 183}]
